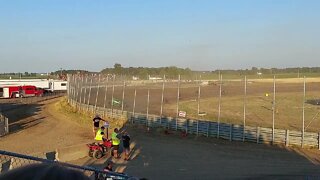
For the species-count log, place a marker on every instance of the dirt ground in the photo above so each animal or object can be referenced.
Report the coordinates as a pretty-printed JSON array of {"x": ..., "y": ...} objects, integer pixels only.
[
  {"x": 155, "y": 155},
  {"x": 37, "y": 127}
]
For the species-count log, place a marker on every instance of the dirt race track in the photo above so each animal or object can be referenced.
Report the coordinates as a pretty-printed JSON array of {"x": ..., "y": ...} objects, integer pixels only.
[
  {"x": 155, "y": 155},
  {"x": 38, "y": 128},
  {"x": 188, "y": 91}
]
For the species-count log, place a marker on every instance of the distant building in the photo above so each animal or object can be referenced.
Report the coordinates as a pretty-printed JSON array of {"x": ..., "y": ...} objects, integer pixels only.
[{"x": 154, "y": 78}]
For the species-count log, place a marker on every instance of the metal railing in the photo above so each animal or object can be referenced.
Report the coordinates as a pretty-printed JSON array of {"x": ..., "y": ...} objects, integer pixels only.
[
  {"x": 4, "y": 125},
  {"x": 10, "y": 160}
]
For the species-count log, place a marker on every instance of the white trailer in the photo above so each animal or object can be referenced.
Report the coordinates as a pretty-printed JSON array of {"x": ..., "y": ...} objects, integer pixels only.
[
  {"x": 40, "y": 83},
  {"x": 46, "y": 84},
  {"x": 57, "y": 85}
]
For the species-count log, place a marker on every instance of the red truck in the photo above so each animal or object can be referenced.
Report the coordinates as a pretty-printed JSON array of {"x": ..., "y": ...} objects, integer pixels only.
[{"x": 20, "y": 91}]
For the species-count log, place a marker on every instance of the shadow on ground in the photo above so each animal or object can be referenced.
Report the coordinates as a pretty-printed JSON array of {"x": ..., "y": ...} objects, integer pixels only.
[
  {"x": 19, "y": 116},
  {"x": 158, "y": 154}
]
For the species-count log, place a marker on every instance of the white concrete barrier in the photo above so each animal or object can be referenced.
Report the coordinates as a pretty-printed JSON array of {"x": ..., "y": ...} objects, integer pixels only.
[{"x": 72, "y": 152}]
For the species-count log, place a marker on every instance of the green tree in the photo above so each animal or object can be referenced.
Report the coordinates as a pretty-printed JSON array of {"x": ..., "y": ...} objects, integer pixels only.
[{"x": 118, "y": 68}]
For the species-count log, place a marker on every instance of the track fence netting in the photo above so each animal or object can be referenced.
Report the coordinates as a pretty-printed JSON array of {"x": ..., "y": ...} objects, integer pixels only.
[
  {"x": 230, "y": 106},
  {"x": 9, "y": 161}
]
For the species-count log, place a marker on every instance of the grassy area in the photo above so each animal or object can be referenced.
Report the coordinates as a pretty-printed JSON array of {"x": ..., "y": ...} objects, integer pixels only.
[
  {"x": 63, "y": 107},
  {"x": 83, "y": 118},
  {"x": 288, "y": 111}
]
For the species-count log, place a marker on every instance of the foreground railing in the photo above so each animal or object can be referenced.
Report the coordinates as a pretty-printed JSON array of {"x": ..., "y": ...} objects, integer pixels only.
[{"x": 10, "y": 160}]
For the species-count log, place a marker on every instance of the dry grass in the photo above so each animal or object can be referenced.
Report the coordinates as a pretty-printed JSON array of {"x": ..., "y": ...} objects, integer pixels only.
[
  {"x": 83, "y": 118},
  {"x": 288, "y": 111}
]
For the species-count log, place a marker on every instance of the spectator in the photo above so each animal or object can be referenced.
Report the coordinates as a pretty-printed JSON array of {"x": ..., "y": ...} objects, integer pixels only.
[
  {"x": 126, "y": 145},
  {"x": 108, "y": 168}
]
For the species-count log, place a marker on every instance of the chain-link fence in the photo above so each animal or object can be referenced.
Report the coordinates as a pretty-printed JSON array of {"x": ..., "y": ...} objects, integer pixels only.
[
  {"x": 274, "y": 103},
  {"x": 267, "y": 108},
  {"x": 9, "y": 161}
]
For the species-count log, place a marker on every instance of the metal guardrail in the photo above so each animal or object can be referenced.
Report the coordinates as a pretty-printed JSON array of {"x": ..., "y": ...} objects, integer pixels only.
[
  {"x": 231, "y": 132},
  {"x": 10, "y": 160}
]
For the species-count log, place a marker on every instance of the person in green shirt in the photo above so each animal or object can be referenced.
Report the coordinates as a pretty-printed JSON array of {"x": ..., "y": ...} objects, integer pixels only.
[
  {"x": 115, "y": 137},
  {"x": 100, "y": 135}
]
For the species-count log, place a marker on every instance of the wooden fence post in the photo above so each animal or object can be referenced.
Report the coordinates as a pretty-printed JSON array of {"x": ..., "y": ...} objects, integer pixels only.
[{"x": 287, "y": 137}]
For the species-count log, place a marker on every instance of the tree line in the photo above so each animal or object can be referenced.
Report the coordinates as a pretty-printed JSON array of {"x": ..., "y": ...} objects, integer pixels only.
[
  {"x": 172, "y": 71},
  {"x": 144, "y": 72}
]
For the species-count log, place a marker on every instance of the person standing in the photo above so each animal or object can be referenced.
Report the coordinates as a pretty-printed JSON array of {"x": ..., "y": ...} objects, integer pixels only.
[
  {"x": 126, "y": 145},
  {"x": 96, "y": 124},
  {"x": 108, "y": 168},
  {"x": 115, "y": 137}
]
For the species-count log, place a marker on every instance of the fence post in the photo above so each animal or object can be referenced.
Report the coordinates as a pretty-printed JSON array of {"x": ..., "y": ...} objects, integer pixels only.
[
  {"x": 134, "y": 103},
  {"x": 197, "y": 127},
  {"x": 123, "y": 89},
  {"x": 258, "y": 134},
  {"x": 148, "y": 101},
  {"x": 287, "y": 137},
  {"x": 162, "y": 98},
  {"x": 7, "y": 125},
  {"x": 303, "y": 110},
  {"x": 208, "y": 127},
  {"x": 176, "y": 123},
  {"x": 178, "y": 97},
  {"x": 218, "y": 130},
  {"x": 318, "y": 140},
  {"x": 90, "y": 87},
  {"x": 187, "y": 126},
  {"x": 230, "y": 135}
]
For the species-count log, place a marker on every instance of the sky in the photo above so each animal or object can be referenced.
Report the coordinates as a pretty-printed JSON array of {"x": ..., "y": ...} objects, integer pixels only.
[{"x": 49, "y": 35}]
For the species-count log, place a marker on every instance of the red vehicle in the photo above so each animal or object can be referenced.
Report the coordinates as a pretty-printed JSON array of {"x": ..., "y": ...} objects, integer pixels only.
[
  {"x": 20, "y": 91},
  {"x": 97, "y": 150}
]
